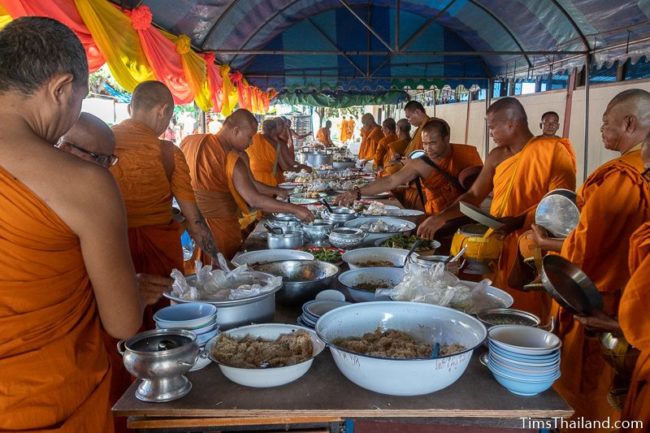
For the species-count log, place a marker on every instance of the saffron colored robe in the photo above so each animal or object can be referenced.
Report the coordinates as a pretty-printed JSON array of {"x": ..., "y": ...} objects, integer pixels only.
[
  {"x": 440, "y": 193},
  {"x": 635, "y": 322},
  {"x": 519, "y": 183},
  {"x": 263, "y": 156},
  {"x": 344, "y": 131},
  {"x": 394, "y": 148},
  {"x": 323, "y": 137},
  {"x": 211, "y": 169},
  {"x": 614, "y": 202},
  {"x": 383, "y": 150},
  {"x": 54, "y": 371},
  {"x": 369, "y": 140},
  {"x": 409, "y": 198}
]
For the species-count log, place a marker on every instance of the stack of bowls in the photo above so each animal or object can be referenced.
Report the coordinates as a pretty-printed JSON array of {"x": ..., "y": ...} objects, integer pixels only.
[
  {"x": 525, "y": 360},
  {"x": 312, "y": 310},
  {"x": 197, "y": 317}
]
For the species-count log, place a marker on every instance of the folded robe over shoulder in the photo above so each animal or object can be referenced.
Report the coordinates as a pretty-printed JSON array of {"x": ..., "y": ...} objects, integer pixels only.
[
  {"x": 54, "y": 371},
  {"x": 262, "y": 157}
]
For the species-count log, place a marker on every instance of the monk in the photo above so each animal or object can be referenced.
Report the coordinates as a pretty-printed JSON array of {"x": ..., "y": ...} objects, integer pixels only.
[
  {"x": 441, "y": 191},
  {"x": 519, "y": 171},
  {"x": 343, "y": 134},
  {"x": 289, "y": 136},
  {"x": 397, "y": 148},
  {"x": 65, "y": 265},
  {"x": 151, "y": 173},
  {"x": 549, "y": 125},
  {"x": 222, "y": 183},
  {"x": 389, "y": 129},
  {"x": 614, "y": 202},
  {"x": 324, "y": 135},
  {"x": 265, "y": 155},
  {"x": 416, "y": 116},
  {"x": 93, "y": 140},
  {"x": 370, "y": 136},
  {"x": 350, "y": 128}
]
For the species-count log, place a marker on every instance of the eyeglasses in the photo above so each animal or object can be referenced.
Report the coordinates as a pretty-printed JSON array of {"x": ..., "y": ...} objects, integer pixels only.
[{"x": 99, "y": 158}]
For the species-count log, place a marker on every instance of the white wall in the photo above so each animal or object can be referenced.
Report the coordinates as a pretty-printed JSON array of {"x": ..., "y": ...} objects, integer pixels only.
[{"x": 536, "y": 105}]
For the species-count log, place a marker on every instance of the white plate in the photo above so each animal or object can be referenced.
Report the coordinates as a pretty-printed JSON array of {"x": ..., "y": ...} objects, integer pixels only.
[
  {"x": 480, "y": 216},
  {"x": 405, "y": 226}
]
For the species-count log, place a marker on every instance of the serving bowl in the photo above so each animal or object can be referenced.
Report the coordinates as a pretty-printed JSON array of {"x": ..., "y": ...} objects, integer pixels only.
[
  {"x": 302, "y": 279},
  {"x": 360, "y": 258},
  {"x": 346, "y": 238},
  {"x": 252, "y": 258},
  {"x": 317, "y": 232},
  {"x": 384, "y": 276},
  {"x": 401, "y": 226},
  {"x": 266, "y": 377},
  {"x": 524, "y": 340},
  {"x": 192, "y": 315},
  {"x": 424, "y": 322},
  {"x": 339, "y": 215},
  {"x": 507, "y": 316}
]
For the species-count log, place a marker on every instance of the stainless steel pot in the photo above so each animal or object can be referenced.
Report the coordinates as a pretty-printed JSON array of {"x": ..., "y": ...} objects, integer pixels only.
[
  {"x": 317, "y": 232},
  {"x": 160, "y": 358},
  {"x": 318, "y": 159},
  {"x": 284, "y": 240},
  {"x": 346, "y": 238}
]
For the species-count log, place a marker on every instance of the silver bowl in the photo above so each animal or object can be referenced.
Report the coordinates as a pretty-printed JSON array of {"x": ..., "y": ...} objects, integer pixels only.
[
  {"x": 160, "y": 358},
  {"x": 346, "y": 238},
  {"x": 302, "y": 279},
  {"x": 339, "y": 214},
  {"x": 317, "y": 232},
  {"x": 507, "y": 316},
  {"x": 284, "y": 240}
]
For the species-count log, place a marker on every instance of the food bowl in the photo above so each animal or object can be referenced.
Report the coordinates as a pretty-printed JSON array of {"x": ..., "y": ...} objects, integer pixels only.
[
  {"x": 428, "y": 323},
  {"x": 302, "y": 279},
  {"x": 346, "y": 238},
  {"x": 507, "y": 316},
  {"x": 193, "y": 315},
  {"x": 266, "y": 377},
  {"x": 253, "y": 258},
  {"x": 284, "y": 240},
  {"x": 524, "y": 340},
  {"x": 375, "y": 257},
  {"x": 339, "y": 215},
  {"x": 342, "y": 165},
  {"x": 317, "y": 232},
  {"x": 396, "y": 226},
  {"x": 385, "y": 277}
]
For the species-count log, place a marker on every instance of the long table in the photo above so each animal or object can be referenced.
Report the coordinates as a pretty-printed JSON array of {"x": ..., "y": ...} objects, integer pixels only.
[{"x": 324, "y": 400}]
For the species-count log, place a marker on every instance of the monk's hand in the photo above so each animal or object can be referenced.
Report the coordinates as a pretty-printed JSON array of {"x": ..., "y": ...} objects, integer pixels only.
[
  {"x": 600, "y": 322},
  {"x": 282, "y": 193},
  {"x": 510, "y": 224},
  {"x": 345, "y": 199},
  {"x": 151, "y": 287},
  {"x": 303, "y": 213},
  {"x": 543, "y": 240},
  {"x": 429, "y": 227}
]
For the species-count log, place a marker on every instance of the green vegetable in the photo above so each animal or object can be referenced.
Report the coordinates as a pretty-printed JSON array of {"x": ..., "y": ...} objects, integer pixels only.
[
  {"x": 325, "y": 255},
  {"x": 405, "y": 242}
]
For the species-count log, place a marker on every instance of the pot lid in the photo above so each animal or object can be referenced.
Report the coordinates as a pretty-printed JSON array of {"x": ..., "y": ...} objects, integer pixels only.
[
  {"x": 569, "y": 286},
  {"x": 159, "y": 340}
]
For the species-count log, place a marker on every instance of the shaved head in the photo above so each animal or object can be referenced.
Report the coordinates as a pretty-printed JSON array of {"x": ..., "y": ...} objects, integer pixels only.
[
  {"x": 626, "y": 121},
  {"x": 88, "y": 136},
  {"x": 403, "y": 126},
  {"x": 238, "y": 130},
  {"x": 241, "y": 118},
  {"x": 509, "y": 109},
  {"x": 149, "y": 95},
  {"x": 635, "y": 102},
  {"x": 368, "y": 120}
]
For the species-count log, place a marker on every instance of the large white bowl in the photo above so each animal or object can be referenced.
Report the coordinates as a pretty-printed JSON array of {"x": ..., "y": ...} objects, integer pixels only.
[
  {"x": 394, "y": 255},
  {"x": 495, "y": 293},
  {"x": 266, "y": 377},
  {"x": 274, "y": 255},
  {"x": 424, "y": 322},
  {"x": 406, "y": 227},
  {"x": 524, "y": 340},
  {"x": 352, "y": 278}
]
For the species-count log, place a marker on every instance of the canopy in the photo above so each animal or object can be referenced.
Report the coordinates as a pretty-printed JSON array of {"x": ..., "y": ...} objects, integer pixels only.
[{"x": 381, "y": 44}]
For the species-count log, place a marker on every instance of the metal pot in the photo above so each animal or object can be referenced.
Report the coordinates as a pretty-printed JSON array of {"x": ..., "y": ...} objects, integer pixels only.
[
  {"x": 318, "y": 159},
  {"x": 425, "y": 262},
  {"x": 317, "y": 232},
  {"x": 284, "y": 240},
  {"x": 346, "y": 238},
  {"x": 339, "y": 215},
  {"x": 160, "y": 358},
  {"x": 286, "y": 222}
]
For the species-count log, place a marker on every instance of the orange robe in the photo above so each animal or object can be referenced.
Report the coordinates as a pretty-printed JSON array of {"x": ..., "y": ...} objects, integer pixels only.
[
  {"x": 211, "y": 169},
  {"x": 344, "y": 131},
  {"x": 350, "y": 129},
  {"x": 383, "y": 150},
  {"x": 519, "y": 183},
  {"x": 369, "y": 140},
  {"x": 394, "y": 148},
  {"x": 440, "y": 193},
  {"x": 54, "y": 371},
  {"x": 409, "y": 197},
  {"x": 323, "y": 137},
  {"x": 635, "y": 322},
  {"x": 263, "y": 156},
  {"x": 614, "y": 202}
]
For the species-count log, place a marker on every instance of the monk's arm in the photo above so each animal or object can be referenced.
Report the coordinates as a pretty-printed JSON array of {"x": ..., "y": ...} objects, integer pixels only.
[
  {"x": 198, "y": 228},
  {"x": 248, "y": 191},
  {"x": 105, "y": 249}
]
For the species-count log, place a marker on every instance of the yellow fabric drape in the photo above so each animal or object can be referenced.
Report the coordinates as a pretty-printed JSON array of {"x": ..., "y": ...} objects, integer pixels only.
[
  {"x": 118, "y": 42},
  {"x": 5, "y": 18},
  {"x": 230, "y": 95}
]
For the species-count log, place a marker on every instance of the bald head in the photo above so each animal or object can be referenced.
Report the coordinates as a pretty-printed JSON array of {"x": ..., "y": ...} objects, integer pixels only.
[
  {"x": 403, "y": 128},
  {"x": 90, "y": 139},
  {"x": 626, "y": 121},
  {"x": 241, "y": 118},
  {"x": 238, "y": 130},
  {"x": 368, "y": 120},
  {"x": 509, "y": 109},
  {"x": 149, "y": 95}
]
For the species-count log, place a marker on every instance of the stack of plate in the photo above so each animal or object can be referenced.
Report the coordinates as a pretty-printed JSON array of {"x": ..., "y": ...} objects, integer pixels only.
[
  {"x": 525, "y": 360},
  {"x": 312, "y": 310},
  {"x": 197, "y": 317}
]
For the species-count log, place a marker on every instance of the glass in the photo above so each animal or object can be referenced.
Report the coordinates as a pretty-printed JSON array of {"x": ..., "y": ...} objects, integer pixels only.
[{"x": 99, "y": 158}]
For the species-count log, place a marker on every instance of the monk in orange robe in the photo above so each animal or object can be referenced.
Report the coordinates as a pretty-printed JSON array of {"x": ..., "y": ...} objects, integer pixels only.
[
  {"x": 65, "y": 266},
  {"x": 396, "y": 148},
  {"x": 550, "y": 124},
  {"x": 223, "y": 184},
  {"x": 388, "y": 128},
  {"x": 370, "y": 136},
  {"x": 440, "y": 190},
  {"x": 519, "y": 172},
  {"x": 323, "y": 136},
  {"x": 350, "y": 128},
  {"x": 614, "y": 202},
  {"x": 344, "y": 130}
]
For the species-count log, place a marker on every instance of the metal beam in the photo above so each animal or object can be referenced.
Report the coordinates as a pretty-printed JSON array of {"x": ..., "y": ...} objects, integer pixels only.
[
  {"x": 356, "y": 77},
  {"x": 387, "y": 53},
  {"x": 424, "y": 26},
  {"x": 216, "y": 23},
  {"x": 505, "y": 28},
  {"x": 333, "y": 44},
  {"x": 585, "y": 168},
  {"x": 585, "y": 42},
  {"x": 397, "y": 23},
  {"x": 365, "y": 24}
]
